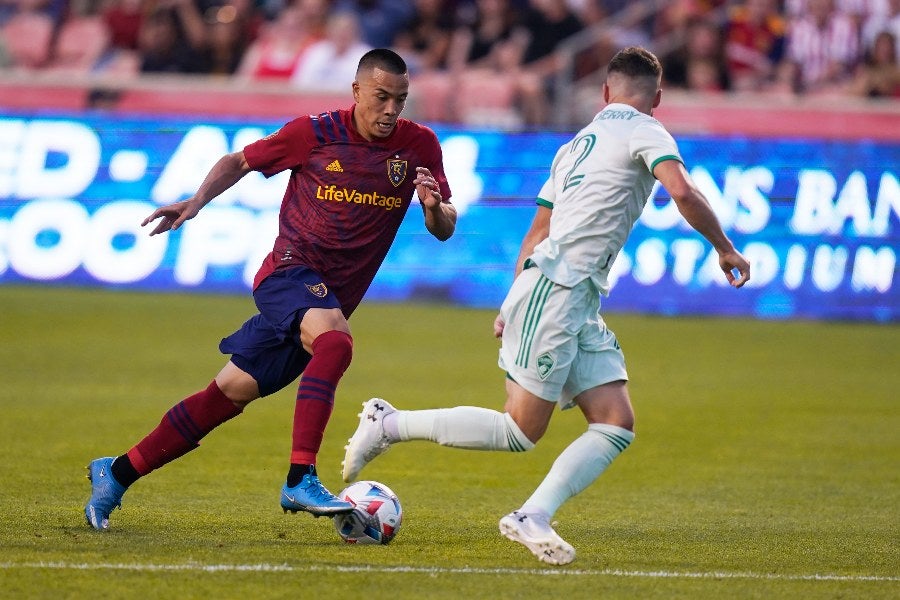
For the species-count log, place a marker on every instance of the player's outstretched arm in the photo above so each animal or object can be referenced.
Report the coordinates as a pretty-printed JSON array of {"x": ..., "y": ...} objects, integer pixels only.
[
  {"x": 696, "y": 210},
  {"x": 227, "y": 171},
  {"x": 440, "y": 216},
  {"x": 537, "y": 233}
]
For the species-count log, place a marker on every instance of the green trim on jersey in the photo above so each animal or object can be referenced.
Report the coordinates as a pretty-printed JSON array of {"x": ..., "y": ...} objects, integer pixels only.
[
  {"x": 665, "y": 158},
  {"x": 532, "y": 315},
  {"x": 544, "y": 203}
]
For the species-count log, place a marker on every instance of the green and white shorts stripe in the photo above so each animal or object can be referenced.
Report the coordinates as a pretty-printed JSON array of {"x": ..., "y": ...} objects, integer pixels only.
[
  {"x": 555, "y": 344},
  {"x": 536, "y": 304}
]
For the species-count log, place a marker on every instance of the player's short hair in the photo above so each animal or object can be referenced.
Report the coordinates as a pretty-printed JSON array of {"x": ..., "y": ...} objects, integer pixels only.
[
  {"x": 634, "y": 62},
  {"x": 384, "y": 59}
]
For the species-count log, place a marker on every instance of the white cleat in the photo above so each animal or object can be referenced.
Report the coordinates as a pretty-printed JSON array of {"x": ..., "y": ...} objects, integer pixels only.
[
  {"x": 535, "y": 533},
  {"x": 369, "y": 440}
]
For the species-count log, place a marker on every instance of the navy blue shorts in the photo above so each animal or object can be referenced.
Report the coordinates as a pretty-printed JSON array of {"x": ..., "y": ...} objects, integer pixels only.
[{"x": 268, "y": 345}]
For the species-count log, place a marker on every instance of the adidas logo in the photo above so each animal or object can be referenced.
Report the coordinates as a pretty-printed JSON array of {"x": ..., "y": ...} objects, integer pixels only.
[{"x": 335, "y": 166}]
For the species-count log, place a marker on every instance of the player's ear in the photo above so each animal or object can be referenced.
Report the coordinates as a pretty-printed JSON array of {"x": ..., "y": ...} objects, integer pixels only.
[{"x": 355, "y": 91}]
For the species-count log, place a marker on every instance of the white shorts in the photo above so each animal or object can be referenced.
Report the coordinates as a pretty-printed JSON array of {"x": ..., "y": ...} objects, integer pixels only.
[{"x": 555, "y": 343}]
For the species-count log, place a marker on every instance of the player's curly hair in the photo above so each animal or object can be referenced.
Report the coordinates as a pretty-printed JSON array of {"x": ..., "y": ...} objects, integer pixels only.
[
  {"x": 384, "y": 59},
  {"x": 635, "y": 61}
]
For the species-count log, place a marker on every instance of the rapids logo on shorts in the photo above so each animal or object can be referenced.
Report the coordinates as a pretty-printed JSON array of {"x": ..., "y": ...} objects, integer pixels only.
[
  {"x": 396, "y": 171},
  {"x": 319, "y": 290},
  {"x": 544, "y": 365}
]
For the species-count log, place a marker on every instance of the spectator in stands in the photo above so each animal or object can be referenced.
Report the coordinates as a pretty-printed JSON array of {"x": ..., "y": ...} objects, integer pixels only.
[
  {"x": 628, "y": 23},
  {"x": 482, "y": 36},
  {"x": 675, "y": 17},
  {"x": 250, "y": 17},
  {"x": 856, "y": 10},
  {"x": 123, "y": 19},
  {"x": 879, "y": 75},
  {"x": 227, "y": 36},
  {"x": 482, "y": 64},
  {"x": 383, "y": 19},
  {"x": 754, "y": 44},
  {"x": 425, "y": 41},
  {"x": 705, "y": 75},
  {"x": 544, "y": 27},
  {"x": 887, "y": 20},
  {"x": 173, "y": 39},
  {"x": 283, "y": 42},
  {"x": 330, "y": 65},
  {"x": 615, "y": 24},
  {"x": 823, "y": 49},
  {"x": 699, "y": 64},
  {"x": 81, "y": 42},
  {"x": 27, "y": 32}
]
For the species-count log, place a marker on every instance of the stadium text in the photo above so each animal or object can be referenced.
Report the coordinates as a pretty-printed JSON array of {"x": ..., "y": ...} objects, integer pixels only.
[{"x": 73, "y": 193}]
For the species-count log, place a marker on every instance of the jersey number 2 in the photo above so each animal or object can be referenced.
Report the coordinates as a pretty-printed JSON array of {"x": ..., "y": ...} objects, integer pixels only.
[{"x": 583, "y": 146}]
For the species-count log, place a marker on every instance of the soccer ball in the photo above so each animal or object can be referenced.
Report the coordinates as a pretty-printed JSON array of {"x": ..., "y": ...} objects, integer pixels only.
[{"x": 376, "y": 517}]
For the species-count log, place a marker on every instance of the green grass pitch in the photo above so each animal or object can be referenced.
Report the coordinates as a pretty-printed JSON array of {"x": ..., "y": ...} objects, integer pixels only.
[{"x": 766, "y": 463}]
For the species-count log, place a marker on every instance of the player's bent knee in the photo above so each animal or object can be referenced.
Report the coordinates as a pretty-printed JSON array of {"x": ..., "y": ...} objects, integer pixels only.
[
  {"x": 237, "y": 385},
  {"x": 337, "y": 344}
]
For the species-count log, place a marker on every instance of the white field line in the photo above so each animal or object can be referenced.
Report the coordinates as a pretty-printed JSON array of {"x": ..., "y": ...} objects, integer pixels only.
[{"x": 269, "y": 568}]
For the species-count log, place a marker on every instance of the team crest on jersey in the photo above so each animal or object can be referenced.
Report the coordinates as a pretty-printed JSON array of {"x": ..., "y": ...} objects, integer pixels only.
[
  {"x": 319, "y": 290},
  {"x": 396, "y": 171},
  {"x": 544, "y": 365}
]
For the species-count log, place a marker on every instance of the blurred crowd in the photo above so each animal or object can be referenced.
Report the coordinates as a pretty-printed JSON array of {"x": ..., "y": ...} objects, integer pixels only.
[{"x": 509, "y": 55}]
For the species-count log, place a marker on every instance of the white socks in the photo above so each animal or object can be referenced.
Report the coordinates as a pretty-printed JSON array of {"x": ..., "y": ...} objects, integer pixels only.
[
  {"x": 578, "y": 466},
  {"x": 469, "y": 427}
]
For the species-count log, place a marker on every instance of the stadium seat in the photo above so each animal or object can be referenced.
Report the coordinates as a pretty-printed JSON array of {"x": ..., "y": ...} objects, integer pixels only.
[
  {"x": 430, "y": 96},
  {"x": 79, "y": 45},
  {"x": 27, "y": 37},
  {"x": 486, "y": 98}
]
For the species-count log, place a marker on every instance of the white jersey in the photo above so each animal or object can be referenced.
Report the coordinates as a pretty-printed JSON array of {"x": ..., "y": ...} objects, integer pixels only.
[{"x": 599, "y": 183}]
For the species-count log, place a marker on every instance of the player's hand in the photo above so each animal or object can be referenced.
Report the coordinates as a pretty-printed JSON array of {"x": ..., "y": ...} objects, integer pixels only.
[
  {"x": 735, "y": 261},
  {"x": 171, "y": 216},
  {"x": 427, "y": 188},
  {"x": 499, "y": 324}
]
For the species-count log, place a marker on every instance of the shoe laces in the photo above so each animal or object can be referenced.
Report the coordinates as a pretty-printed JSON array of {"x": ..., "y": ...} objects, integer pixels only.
[{"x": 312, "y": 486}]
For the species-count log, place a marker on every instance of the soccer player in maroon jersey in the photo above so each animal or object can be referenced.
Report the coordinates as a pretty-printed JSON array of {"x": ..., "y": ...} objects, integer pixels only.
[{"x": 353, "y": 175}]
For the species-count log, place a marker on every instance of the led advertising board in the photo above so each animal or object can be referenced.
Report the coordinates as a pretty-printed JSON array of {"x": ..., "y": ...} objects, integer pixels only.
[{"x": 820, "y": 219}]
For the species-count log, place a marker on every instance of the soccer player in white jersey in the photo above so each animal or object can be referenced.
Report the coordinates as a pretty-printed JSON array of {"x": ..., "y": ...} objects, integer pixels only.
[{"x": 556, "y": 349}]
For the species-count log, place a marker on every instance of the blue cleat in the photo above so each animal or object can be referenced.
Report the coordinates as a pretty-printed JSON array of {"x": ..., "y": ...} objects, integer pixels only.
[
  {"x": 311, "y": 496},
  {"x": 106, "y": 493}
]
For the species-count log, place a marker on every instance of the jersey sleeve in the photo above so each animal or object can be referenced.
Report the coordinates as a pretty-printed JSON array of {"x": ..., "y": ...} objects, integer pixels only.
[
  {"x": 285, "y": 149},
  {"x": 652, "y": 144},
  {"x": 547, "y": 195}
]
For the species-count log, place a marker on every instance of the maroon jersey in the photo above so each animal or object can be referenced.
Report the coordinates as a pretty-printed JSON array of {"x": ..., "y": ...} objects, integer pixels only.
[{"x": 346, "y": 197}]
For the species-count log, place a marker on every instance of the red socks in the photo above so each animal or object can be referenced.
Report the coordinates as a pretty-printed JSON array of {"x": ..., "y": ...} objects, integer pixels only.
[
  {"x": 182, "y": 428},
  {"x": 186, "y": 423},
  {"x": 331, "y": 354}
]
